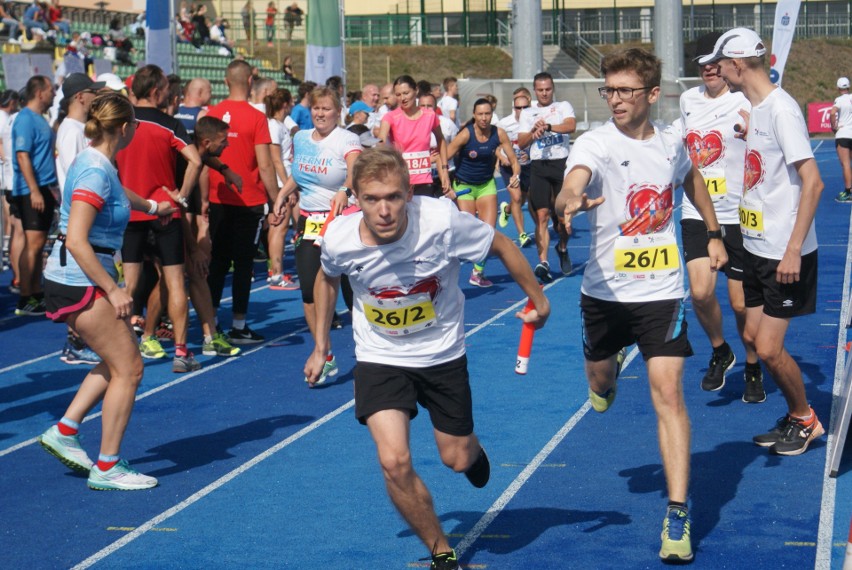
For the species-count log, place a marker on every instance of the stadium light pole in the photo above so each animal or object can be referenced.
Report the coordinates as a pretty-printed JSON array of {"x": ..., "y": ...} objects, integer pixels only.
[{"x": 526, "y": 38}]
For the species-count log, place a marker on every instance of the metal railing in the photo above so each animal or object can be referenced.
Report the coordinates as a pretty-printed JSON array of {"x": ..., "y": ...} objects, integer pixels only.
[{"x": 580, "y": 50}]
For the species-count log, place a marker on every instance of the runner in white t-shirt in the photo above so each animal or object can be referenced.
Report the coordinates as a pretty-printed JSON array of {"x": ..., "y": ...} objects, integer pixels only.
[
  {"x": 710, "y": 114},
  {"x": 521, "y": 98},
  {"x": 624, "y": 174},
  {"x": 781, "y": 190},
  {"x": 841, "y": 124},
  {"x": 403, "y": 255},
  {"x": 449, "y": 104},
  {"x": 545, "y": 132}
]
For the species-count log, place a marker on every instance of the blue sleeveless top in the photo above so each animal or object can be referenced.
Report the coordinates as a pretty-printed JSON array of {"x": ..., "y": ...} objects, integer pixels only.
[{"x": 477, "y": 159}]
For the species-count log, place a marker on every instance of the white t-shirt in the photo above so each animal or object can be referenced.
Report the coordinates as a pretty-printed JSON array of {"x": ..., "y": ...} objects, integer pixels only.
[
  {"x": 449, "y": 130},
  {"x": 712, "y": 146},
  {"x": 843, "y": 104},
  {"x": 633, "y": 255},
  {"x": 280, "y": 135},
  {"x": 449, "y": 105},
  {"x": 70, "y": 141},
  {"x": 319, "y": 167},
  {"x": 550, "y": 146},
  {"x": 512, "y": 127},
  {"x": 777, "y": 138},
  {"x": 408, "y": 307},
  {"x": 6, "y": 121}
]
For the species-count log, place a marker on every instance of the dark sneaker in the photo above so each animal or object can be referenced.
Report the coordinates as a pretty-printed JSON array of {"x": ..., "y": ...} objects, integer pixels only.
[
  {"x": 542, "y": 271},
  {"x": 564, "y": 260},
  {"x": 719, "y": 365},
  {"x": 677, "y": 546},
  {"x": 32, "y": 308},
  {"x": 797, "y": 436},
  {"x": 188, "y": 363},
  {"x": 772, "y": 437},
  {"x": 336, "y": 321},
  {"x": 754, "y": 392},
  {"x": 844, "y": 197},
  {"x": 444, "y": 561},
  {"x": 244, "y": 336},
  {"x": 479, "y": 473}
]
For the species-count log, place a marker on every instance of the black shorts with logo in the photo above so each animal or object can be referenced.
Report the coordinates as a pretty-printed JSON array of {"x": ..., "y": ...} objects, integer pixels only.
[
  {"x": 443, "y": 389},
  {"x": 693, "y": 234},
  {"x": 782, "y": 301},
  {"x": 657, "y": 327}
]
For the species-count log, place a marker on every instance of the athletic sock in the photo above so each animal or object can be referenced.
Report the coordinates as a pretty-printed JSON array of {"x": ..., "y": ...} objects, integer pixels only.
[
  {"x": 107, "y": 462},
  {"x": 807, "y": 420},
  {"x": 180, "y": 350},
  {"x": 238, "y": 324},
  {"x": 722, "y": 349},
  {"x": 752, "y": 367},
  {"x": 68, "y": 427},
  {"x": 208, "y": 339},
  {"x": 678, "y": 505},
  {"x": 329, "y": 358}
]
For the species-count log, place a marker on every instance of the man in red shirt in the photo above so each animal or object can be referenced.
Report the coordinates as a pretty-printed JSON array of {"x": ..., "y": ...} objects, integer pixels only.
[
  {"x": 236, "y": 218},
  {"x": 146, "y": 166}
]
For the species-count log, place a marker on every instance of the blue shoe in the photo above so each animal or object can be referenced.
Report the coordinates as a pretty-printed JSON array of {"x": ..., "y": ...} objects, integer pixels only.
[
  {"x": 66, "y": 448},
  {"x": 85, "y": 355}
]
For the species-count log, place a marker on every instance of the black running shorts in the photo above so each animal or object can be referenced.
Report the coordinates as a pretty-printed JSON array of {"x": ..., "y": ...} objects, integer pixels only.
[
  {"x": 32, "y": 220},
  {"x": 546, "y": 178},
  {"x": 658, "y": 328},
  {"x": 168, "y": 241},
  {"x": 443, "y": 389},
  {"x": 694, "y": 237},
  {"x": 778, "y": 300}
]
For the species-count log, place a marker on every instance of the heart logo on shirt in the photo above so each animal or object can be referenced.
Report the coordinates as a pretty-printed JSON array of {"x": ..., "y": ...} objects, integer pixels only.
[
  {"x": 429, "y": 285},
  {"x": 648, "y": 209},
  {"x": 753, "y": 170},
  {"x": 704, "y": 149}
]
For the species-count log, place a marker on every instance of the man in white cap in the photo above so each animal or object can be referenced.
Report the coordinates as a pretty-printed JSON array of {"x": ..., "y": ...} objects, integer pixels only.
[
  {"x": 710, "y": 116},
  {"x": 841, "y": 124},
  {"x": 781, "y": 190},
  {"x": 112, "y": 81}
]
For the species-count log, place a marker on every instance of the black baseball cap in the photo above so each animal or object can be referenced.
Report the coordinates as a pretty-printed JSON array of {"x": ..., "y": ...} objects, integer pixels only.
[{"x": 77, "y": 82}]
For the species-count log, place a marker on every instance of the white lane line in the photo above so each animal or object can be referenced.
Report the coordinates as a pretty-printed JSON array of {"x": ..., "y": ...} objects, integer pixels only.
[
  {"x": 825, "y": 532},
  {"x": 150, "y": 524}
]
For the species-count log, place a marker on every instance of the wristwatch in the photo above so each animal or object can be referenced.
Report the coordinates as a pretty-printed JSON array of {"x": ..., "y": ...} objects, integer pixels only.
[
  {"x": 549, "y": 127},
  {"x": 716, "y": 234}
]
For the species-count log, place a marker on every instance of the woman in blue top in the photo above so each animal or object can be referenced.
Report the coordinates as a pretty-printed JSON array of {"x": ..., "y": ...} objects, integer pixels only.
[
  {"x": 476, "y": 145},
  {"x": 81, "y": 289}
]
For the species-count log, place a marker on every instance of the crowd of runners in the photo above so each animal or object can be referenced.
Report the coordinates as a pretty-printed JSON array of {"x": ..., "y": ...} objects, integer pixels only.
[{"x": 384, "y": 195}]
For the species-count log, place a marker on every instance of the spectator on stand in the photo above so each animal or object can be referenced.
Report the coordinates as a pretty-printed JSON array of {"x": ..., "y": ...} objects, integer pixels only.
[
  {"x": 10, "y": 20},
  {"x": 34, "y": 21},
  {"x": 199, "y": 21},
  {"x": 248, "y": 21},
  {"x": 271, "y": 12},
  {"x": 292, "y": 18},
  {"x": 56, "y": 21},
  {"x": 287, "y": 69},
  {"x": 218, "y": 36}
]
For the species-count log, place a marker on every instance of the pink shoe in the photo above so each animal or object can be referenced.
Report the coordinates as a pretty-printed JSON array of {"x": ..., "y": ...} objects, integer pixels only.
[{"x": 478, "y": 278}]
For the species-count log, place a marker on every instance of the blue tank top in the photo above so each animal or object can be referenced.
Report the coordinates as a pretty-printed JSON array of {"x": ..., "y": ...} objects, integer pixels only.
[
  {"x": 477, "y": 159},
  {"x": 188, "y": 116}
]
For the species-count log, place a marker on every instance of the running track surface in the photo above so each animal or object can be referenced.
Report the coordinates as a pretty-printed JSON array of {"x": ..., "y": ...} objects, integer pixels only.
[{"x": 258, "y": 471}]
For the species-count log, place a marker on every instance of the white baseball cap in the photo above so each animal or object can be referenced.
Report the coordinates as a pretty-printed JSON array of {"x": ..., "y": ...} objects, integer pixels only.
[
  {"x": 843, "y": 83},
  {"x": 735, "y": 44},
  {"x": 112, "y": 81}
]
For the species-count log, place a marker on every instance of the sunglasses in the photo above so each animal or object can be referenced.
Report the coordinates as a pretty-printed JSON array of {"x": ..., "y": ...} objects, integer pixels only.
[{"x": 521, "y": 107}]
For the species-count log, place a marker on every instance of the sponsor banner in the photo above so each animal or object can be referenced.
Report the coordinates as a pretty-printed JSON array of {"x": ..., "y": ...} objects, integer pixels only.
[
  {"x": 818, "y": 117},
  {"x": 786, "y": 14}
]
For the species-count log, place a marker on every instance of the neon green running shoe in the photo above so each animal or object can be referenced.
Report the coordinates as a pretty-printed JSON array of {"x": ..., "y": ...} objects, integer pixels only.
[
  {"x": 219, "y": 346},
  {"x": 443, "y": 561},
  {"x": 677, "y": 547},
  {"x": 151, "y": 348},
  {"x": 602, "y": 402},
  {"x": 503, "y": 217}
]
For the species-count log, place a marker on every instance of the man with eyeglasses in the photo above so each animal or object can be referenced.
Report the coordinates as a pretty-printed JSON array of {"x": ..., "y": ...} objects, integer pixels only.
[
  {"x": 521, "y": 99},
  {"x": 624, "y": 174},
  {"x": 545, "y": 130},
  {"x": 710, "y": 116},
  {"x": 782, "y": 187}
]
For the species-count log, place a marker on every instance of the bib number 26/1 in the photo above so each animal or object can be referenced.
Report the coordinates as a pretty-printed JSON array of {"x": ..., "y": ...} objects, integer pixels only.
[{"x": 645, "y": 256}]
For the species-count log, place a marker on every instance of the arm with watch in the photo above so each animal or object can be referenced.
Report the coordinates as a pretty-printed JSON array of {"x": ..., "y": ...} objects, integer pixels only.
[{"x": 696, "y": 190}]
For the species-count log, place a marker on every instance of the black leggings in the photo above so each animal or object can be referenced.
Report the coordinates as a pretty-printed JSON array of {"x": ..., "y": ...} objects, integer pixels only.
[
  {"x": 234, "y": 231},
  {"x": 308, "y": 266}
]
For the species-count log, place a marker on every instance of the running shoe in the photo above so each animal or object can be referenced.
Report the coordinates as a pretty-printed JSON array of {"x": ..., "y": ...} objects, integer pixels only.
[
  {"x": 219, "y": 346},
  {"x": 797, "y": 436},
  {"x": 120, "y": 477},
  {"x": 754, "y": 392},
  {"x": 165, "y": 330},
  {"x": 479, "y": 279},
  {"x": 444, "y": 561},
  {"x": 619, "y": 361},
  {"x": 479, "y": 473},
  {"x": 73, "y": 355},
  {"x": 677, "y": 546},
  {"x": 66, "y": 448},
  {"x": 244, "y": 336},
  {"x": 542, "y": 271},
  {"x": 564, "y": 260},
  {"x": 151, "y": 348},
  {"x": 772, "y": 437},
  {"x": 503, "y": 218},
  {"x": 602, "y": 402},
  {"x": 283, "y": 282},
  {"x": 719, "y": 365},
  {"x": 187, "y": 363},
  {"x": 138, "y": 324},
  {"x": 525, "y": 240},
  {"x": 844, "y": 197},
  {"x": 336, "y": 321},
  {"x": 32, "y": 308},
  {"x": 328, "y": 369}
]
